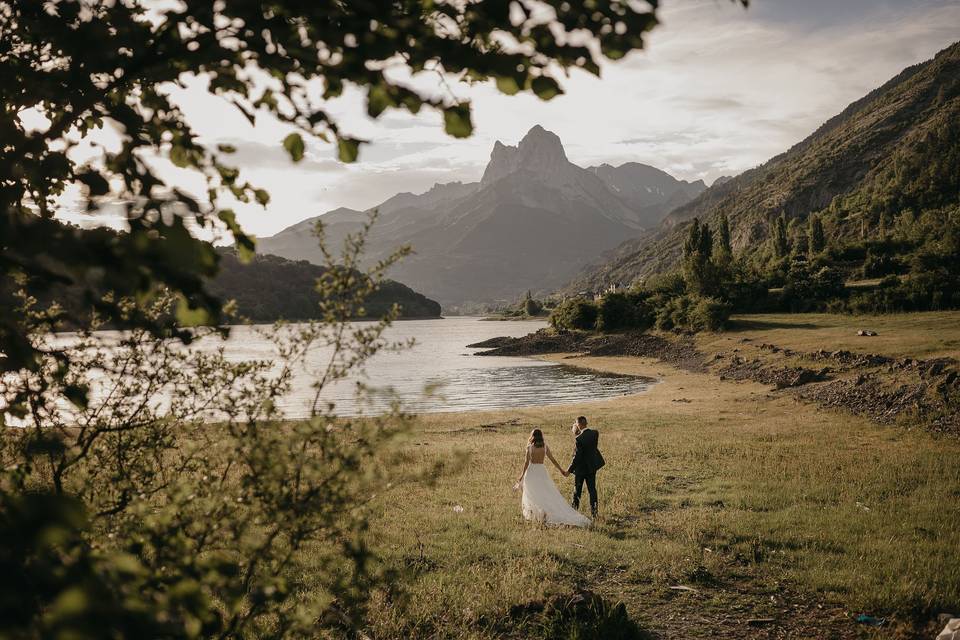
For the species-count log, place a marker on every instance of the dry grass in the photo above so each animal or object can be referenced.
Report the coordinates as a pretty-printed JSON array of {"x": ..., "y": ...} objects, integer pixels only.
[
  {"x": 917, "y": 335},
  {"x": 767, "y": 507}
]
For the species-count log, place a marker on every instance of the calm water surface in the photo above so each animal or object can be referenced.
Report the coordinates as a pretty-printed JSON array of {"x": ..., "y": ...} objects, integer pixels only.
[{"x": 440, "y": 358}]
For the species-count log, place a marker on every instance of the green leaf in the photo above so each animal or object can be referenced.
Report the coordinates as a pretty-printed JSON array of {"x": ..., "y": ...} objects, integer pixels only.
[
  {"x": 226, "y": 148},
  {"x": 246, "y": 248},
  {"x": 348, "y": 149},
  {"x": 293, "y": 143},
  {"x": 72, "y": 602},
  {"x": 546, "y": 88},
  {"x": 246, "y": 244},
  {"x": 262, "y": 196},
  {"x": 191, "y": 317},
  {"x": 179, "y": 156},
  {"x": 456, "y": 120},
  {"x": 377, "y": 100},
  {"x": 507, "y": 85}
]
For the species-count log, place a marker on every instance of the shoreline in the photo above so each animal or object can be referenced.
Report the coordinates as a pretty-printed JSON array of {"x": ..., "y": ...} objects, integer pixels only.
[
  {"x": 723, "y": 502},
  {"x": 886, "y": 389}
]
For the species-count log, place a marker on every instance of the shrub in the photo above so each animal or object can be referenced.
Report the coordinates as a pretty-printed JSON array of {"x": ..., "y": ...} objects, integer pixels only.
[
  {"x": 624, "y": 311},
  {"x": 169, "y": 502},
  {"x": 709, "y": 314},
  {"x": 879, "y": 264},
  {"x": 671, "y": 283},
  {"x": 575, "y": 313},
  {"x": 532, "y": 307},
  {"x": 693, "y": 313},
  {"x": 807, "y": 291}
]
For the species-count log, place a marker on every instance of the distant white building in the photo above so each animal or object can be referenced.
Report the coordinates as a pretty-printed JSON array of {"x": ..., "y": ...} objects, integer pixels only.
[{"x": 611, "y": 288}]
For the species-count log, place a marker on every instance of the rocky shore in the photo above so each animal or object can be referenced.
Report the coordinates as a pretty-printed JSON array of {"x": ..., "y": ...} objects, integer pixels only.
[
  {"x": 909, "y": 392},
  {"x": 680, "y": 352}
]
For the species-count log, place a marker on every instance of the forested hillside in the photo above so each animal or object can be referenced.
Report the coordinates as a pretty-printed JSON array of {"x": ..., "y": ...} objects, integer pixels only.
[
  {"x": 880, "y": 177},
  {"x": 270, "y": 288}
]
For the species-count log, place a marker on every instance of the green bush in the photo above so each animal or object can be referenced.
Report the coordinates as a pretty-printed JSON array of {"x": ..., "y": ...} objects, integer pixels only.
[
  {"x": 709, "y": 314},
  {"x": 928, "y": 291},
  {"x": 671, "y": 283},
  {"x": 619, "y": 311},
  {"x": 879, "y": 264},
  {"x": 672, "y": 313},
  {"x": 575, "y": 313},
  {"x": 693, "y": 313},
  {"x": 532, "y": 307},
  {"x": 806, "y": 290}
]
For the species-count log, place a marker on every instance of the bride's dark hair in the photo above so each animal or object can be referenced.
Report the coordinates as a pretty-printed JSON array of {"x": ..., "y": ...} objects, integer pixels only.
[{"x": 536, "y": 438}]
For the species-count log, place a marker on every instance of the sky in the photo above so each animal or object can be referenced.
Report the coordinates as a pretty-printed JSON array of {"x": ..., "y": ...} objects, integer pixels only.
[{"x": 718, "y": 90}]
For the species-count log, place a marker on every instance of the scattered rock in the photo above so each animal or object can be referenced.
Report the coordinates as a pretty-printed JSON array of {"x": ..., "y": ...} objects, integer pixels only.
[
  {"x": 756, "y": 622},
  {"x": 885, "y": 402},
  {"x": 779, "y": 377},
  {"x": 951, "y": 631}
]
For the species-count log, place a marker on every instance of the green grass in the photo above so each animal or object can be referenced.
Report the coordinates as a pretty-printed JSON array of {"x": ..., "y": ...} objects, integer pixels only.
[
  {"x": 768, "y": 508},
  {"x": 917, "y": 335},
  {"x": 785, "y": 520}
]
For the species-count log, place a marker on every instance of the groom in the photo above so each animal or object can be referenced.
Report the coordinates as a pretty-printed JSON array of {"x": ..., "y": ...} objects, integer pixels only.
[{"x": 585, "y": 464}]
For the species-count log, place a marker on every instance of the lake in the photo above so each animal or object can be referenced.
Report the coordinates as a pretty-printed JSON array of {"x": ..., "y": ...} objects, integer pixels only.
[{"x": 441, "y": 358}]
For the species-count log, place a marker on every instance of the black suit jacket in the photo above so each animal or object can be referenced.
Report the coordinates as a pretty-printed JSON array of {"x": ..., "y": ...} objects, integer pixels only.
[{"x": 586, "y": 455}]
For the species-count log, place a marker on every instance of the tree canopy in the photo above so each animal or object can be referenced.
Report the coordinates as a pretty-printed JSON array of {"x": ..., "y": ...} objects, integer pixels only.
[{"x": 85, "y": 66}]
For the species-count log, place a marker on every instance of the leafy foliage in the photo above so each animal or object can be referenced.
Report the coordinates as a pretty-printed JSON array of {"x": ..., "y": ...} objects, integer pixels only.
[
  {"x": 168, "y": 501},
  {"x": 891, "y": 154},
  {"x": 618, "y": 311},
  {"x": 531, "y": 306},
  {"x": 694, "y": 313},
  {"x": 575, "y": 314},
  {"x": 779, "y": 241},
  {"x": 699, "y": 271},
  {"x": 285, "y": 59},
  {"x": 815, "y": 238}
]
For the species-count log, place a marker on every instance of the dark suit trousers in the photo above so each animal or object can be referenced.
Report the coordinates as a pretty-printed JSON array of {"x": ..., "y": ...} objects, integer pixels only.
[{"x": 591, "y": 480}]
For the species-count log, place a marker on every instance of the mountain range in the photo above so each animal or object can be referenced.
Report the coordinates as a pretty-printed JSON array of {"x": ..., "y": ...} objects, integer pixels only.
[
  {"x": 533, "y": 221},
  {"x": 893, "y": 152}
]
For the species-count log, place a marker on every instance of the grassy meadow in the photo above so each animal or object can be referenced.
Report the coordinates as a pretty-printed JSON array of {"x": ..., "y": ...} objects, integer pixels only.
[{"x": 775, "y": 518}]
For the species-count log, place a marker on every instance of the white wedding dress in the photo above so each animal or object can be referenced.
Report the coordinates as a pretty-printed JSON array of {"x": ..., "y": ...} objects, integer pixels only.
[{"x": 542, "y": 502}]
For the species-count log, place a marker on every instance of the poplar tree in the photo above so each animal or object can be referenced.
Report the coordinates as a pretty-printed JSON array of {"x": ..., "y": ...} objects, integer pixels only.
[{"x": 815, "y": 238}]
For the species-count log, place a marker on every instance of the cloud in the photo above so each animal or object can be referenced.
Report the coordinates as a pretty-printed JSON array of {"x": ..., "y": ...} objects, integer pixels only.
[
  {"x": 254, "y": 155},
  {"x": 717, "y": 90}
]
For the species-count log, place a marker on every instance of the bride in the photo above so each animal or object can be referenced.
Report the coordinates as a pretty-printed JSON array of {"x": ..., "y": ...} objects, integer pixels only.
[{"x": 541, "y": 501}]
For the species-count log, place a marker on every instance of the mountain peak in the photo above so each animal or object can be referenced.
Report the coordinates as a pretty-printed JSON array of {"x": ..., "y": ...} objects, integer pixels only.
[
  {"x": 540, "y": 144},
  {"x": 539, "y": 152}
]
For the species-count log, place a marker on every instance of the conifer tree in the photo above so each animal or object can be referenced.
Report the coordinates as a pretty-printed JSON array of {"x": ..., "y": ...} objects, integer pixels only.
[
  {"x": 781, "y": 243},
  {"x": 724, "y": 233},
  {"x": 724, "y": 250},
  {"x": 698, "y": 269},
  {"x": 815, "y": 237}
]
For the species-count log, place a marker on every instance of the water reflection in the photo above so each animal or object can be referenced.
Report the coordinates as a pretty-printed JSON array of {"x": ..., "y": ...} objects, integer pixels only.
[
  {"x": 511, "y": 386},
  {"x": 464, "y": 381}
]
